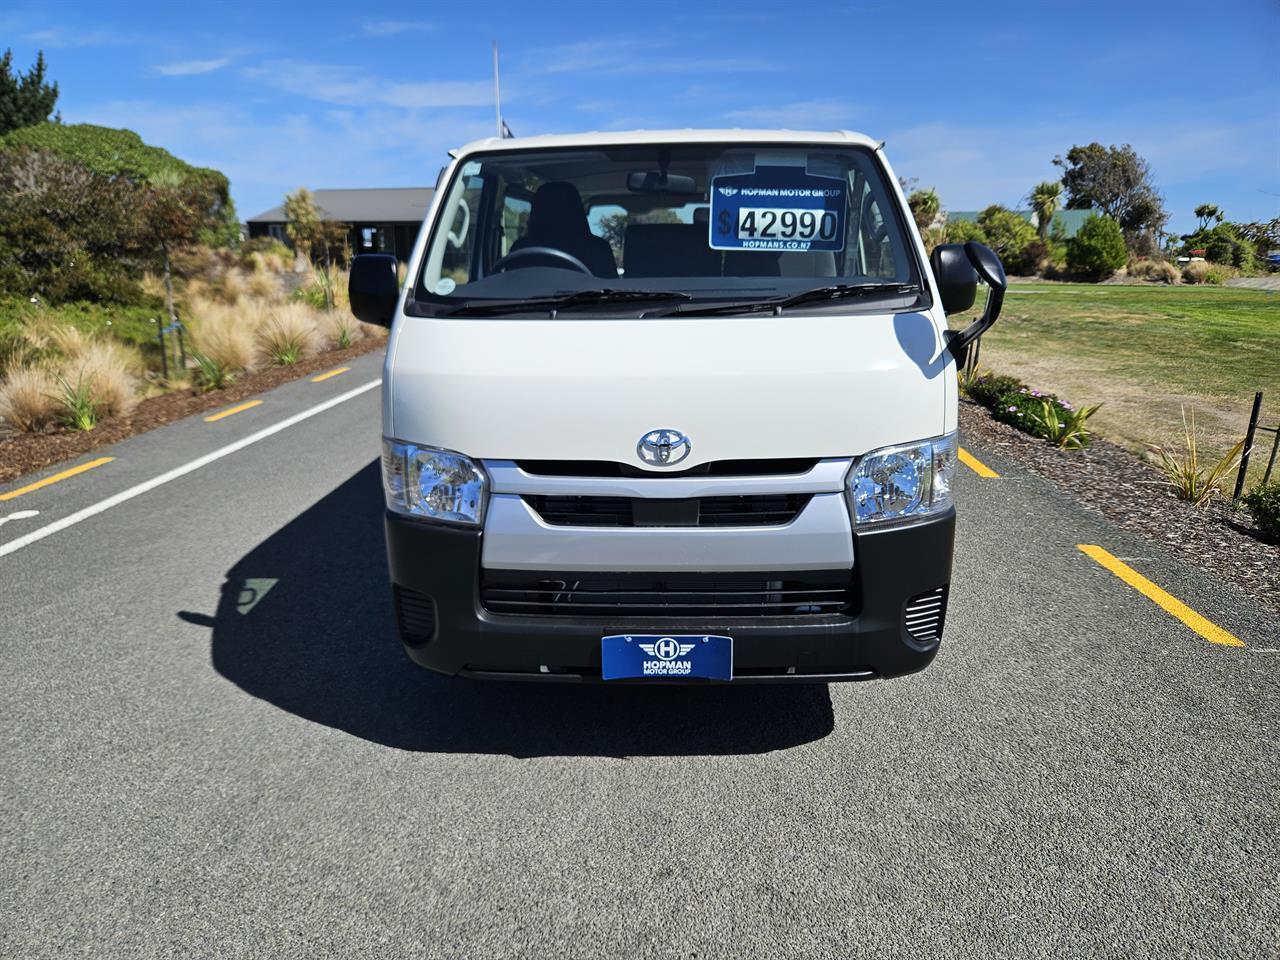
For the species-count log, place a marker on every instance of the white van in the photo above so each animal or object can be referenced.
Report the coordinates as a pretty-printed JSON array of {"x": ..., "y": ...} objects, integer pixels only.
[{"x": 672, "y": 406}]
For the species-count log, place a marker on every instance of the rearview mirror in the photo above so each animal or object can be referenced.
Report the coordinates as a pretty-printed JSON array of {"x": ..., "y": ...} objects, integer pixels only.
[
  {"x": 374, "y": 288},
  {"x": 956, "y": 268},
  {"x": 654, "y": 181}
]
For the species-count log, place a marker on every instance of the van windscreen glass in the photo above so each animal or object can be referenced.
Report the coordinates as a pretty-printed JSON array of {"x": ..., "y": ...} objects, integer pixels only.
[{"x": 694, "y": 222}]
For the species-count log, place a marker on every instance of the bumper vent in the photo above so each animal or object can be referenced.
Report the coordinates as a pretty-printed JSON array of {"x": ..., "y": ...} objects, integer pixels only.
[
  {"x": 925, "y": 614},
  {"x": 416, "y": 615},
  {"x": 610, "y": 598},
  {"x": 758, "y": 510}
]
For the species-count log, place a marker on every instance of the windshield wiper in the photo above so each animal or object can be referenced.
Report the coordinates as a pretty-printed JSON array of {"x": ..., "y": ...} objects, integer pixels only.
[
  {"x": 577, "y": 298},
  {"x": 837, "y": 291}
]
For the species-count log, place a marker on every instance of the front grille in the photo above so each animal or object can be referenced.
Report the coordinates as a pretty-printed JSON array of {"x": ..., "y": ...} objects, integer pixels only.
[
  {"x": 925, "y": 614},
  {"x": 754, "y": 510},
  {"x": 606, "y": 597},
  {"x": 416, "y": 613},
  {"x": 716, "y": 468}
]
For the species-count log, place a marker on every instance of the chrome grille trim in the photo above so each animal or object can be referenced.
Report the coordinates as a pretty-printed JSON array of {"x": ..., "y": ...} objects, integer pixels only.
[{"x": 827, "y": 476}]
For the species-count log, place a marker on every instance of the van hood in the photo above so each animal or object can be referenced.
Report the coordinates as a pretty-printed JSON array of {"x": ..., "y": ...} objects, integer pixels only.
[{"x": 757, "y": 387}]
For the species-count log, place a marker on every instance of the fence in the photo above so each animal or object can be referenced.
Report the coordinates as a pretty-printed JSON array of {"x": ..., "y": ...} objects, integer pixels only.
[{"x": 1249, "y": 436}]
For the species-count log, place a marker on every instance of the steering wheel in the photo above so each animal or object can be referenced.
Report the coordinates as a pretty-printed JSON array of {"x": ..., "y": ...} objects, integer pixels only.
[{"x": 512, "y": 259}]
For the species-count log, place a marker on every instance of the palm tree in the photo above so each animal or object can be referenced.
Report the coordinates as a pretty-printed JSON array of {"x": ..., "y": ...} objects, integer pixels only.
[{"x": 1045, "y": 200}]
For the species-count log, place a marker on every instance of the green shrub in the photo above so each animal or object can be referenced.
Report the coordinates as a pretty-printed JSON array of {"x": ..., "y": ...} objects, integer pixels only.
[
  {"x": 962, "y": 231},
  {"x": 79, "y": 405},
  {"x": 988, "y": 388},
  {"x": 65, "y": 232},
  {"x": 121, "y": 155},
  {"x": 1009, "y": 236},
  {"x": 212, "y": 374},
  {"x": 1263, "y": 504},
  {"x": 1045, "y": 416},
  {"x": 1098, "y": 249}
]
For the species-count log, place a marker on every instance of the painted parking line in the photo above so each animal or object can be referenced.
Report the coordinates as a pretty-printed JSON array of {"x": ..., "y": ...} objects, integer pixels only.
[
  {"x": 74, "y": 471},
  {"x": 231, "y": 411},
  {"x": 135, "y": 491},
  {"x": 1165, "y": 601},
  {"x": 976, "y": 465},
  {"x": 332, "y": 373}
]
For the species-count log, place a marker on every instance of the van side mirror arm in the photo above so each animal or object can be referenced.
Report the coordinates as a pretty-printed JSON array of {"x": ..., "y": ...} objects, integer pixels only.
[{"x": 988, "y": 267}]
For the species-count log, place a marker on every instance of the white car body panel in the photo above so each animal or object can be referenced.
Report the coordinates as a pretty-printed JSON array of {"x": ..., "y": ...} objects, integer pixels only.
[
  {"x": 799, "y": 385},
  {"x": 805, "y": 384}
]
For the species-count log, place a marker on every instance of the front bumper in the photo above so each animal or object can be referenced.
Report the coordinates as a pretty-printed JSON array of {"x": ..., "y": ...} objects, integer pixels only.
[{"x": 436, "y": 571}]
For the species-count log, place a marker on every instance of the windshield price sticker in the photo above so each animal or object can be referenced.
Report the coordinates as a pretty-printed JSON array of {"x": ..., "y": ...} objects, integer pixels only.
[{"x": 778, "y": 208}]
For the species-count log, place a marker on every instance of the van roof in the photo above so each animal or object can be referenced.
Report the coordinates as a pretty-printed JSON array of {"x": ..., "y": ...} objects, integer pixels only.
[{"x": 615, "y": 138}]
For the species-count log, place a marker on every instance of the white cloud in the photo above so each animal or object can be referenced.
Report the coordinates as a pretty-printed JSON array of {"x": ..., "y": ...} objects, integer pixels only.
[
  {"x": 64, "y": 38},
  {"x": 191, "y": 68},
  {"x": 389, "y": 28},
  {"x": 350, "y": 87}
]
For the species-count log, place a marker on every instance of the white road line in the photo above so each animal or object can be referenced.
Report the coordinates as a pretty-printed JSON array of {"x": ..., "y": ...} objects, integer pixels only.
[{"x": 182, "y": 471}]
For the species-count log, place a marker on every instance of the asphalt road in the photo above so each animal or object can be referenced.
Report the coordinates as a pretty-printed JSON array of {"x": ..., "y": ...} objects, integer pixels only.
[{"x": 212, "y": 745}]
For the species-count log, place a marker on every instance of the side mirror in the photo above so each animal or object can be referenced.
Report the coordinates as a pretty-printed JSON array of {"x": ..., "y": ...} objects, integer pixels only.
[
  {"x": 374, "y": 289},
  {"x": 957, "y": 268}
]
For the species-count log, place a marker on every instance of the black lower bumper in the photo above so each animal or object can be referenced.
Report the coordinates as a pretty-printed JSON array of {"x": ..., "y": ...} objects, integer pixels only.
[{"x": 435, "y": 573}]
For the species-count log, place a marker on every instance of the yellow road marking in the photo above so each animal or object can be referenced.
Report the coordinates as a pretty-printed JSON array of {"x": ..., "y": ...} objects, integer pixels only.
[
  {"x": 55, "y": 478},
  {"x": 331, "y": 373},
  {"x": 231, "y": 411},
  {"x": 976, "y": 465},
  {"x": 1166, "y": 602}
]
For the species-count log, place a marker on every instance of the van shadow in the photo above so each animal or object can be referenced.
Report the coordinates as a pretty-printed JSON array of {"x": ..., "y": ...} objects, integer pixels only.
[{"x": 305, "y": 623}]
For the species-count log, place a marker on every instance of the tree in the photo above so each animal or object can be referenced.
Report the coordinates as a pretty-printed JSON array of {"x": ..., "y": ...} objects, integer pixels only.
[
  {"x": 173, "y": 212},
  {"x": 1207, "y": 212},
  {"x": 25, "y": 99},
  {"x": 924, "y": 205},
  {"x": 1008, "y": 235},
  {"x": 1117, "y": 182},
  {"x": 1098, "y": 249},
  {"x": 1045, "y": 199},
  {"x": 313, "y": 235}
]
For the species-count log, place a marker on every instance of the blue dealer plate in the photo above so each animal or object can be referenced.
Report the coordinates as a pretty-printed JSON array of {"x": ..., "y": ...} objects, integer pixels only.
[{"x": 659, "y": 656}]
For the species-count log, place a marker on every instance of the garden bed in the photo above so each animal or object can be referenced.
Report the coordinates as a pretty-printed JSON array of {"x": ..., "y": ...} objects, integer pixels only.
[
  {"x": 1131, "y": 493},
  {"x": 22, "y": 453}
]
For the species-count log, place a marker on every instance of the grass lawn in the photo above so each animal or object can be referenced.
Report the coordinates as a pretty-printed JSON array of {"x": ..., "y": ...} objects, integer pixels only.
[{"x": 1143, "y": 352}]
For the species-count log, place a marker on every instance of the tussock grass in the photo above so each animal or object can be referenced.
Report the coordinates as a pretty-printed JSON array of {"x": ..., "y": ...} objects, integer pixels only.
[
  {"x": 226, "y": 335},
  {"x": 263, "y": 285},
  {"x": 1157, "y": 270},
  {"x": 109, "y": 372},
  {"x": 290, "y": 334},
  {"x": 340, "y": 329},
  {"x": 28, "y": 398}
]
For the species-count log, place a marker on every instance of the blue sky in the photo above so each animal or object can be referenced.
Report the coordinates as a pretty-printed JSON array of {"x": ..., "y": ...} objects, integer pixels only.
[{"x": 974, "y": 99}]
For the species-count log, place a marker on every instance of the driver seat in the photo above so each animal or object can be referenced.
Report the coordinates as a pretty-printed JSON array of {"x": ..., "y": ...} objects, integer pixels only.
[{"x": 557, "y": 219}]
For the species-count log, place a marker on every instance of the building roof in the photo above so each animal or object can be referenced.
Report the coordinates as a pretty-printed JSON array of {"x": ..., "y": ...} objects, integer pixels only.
[
  {"x": 1065, "y": 222},
  {"x": 373, "y": 205},
  {"x": 614, "y": 138}
]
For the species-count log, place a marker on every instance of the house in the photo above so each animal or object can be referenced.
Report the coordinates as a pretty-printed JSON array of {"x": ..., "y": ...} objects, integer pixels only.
[
  {"x": 380, "y": 219},
  {"x": 1066, "y": 223}
]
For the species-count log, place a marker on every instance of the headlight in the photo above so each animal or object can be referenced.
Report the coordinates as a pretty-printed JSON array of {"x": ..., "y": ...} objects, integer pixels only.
[
  {"x": 431, "y": 483},
  {"x": 911, "y": 481}
]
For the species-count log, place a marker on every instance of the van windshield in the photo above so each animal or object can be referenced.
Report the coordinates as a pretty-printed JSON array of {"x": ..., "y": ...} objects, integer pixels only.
[{"x": 632, "y": 225}]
